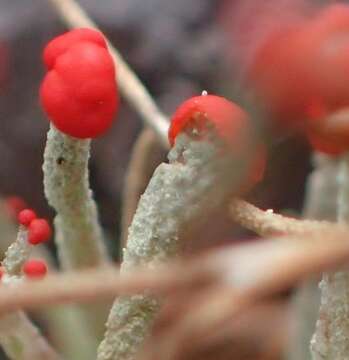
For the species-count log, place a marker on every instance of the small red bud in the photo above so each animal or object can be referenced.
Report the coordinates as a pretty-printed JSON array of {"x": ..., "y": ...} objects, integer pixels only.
[
  {"x": 26, "y": 216},
  {"x": 35, "y": 268},
  {"x": 39, "y": 231}
]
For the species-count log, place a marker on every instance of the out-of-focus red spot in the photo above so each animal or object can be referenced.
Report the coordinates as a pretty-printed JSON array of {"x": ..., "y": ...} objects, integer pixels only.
[
  {"x": 4, "y": 64},
  {"x": 14, "y": 204},
  {"x": 316, "y": 110},
  {"x": 296, "y": 70},
  {"x": 230, "y": 122}
]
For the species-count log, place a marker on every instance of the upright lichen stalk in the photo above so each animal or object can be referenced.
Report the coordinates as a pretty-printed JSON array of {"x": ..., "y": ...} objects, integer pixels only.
[
  {"x": 305, "y": 302},
  {"x": 17, "y": 253},
  {"x": 19, "y": 338},
  {"x": 78, "y": 233},
  {"x": 211, "y": 152},
  {"x": 180, "y": 195},
  {"x": 331, "y": 338},
  {"x": 79, "y": 95}
]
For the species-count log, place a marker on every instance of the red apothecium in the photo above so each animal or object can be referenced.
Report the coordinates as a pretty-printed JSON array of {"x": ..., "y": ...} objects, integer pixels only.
[
  {"x": 79, "y": 92},
  {"x": 35, "y": 268},
  {"x": 39, "y": 231},
  {"x": 230, "y": 122}
]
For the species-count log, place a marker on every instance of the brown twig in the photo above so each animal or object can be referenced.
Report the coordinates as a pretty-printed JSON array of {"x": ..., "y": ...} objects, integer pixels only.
[
  {"x": 235, "y": 338},
  {"x": 146, "y": 155},
  {"x": 254, "y": 272},
  {"x": 251, "y": 271},
  {"x": 267, "y": 223},
  {"x": 91, "y": 285}
]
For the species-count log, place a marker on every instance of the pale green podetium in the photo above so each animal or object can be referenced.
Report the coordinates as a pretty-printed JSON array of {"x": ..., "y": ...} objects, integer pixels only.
[
  {"x": 331, "y": 337},
  {"x": 200, "y": 177},
  {"x": 19, "y": 338},
  {"x": 78, "y": 233},
  {"x": 17, "y": 253}
]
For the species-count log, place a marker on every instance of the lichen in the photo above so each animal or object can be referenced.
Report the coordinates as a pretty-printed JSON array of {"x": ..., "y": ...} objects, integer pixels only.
[
  {"x": 331, "y": 338},
  {"x": 19, "y": 338},
  {"x": 79, "y": 235},
  {"x": 180, "y": 195},
  {"x": 17, "y": 253}
]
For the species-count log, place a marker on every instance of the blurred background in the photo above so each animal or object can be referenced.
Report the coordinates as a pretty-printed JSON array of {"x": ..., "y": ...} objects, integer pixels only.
[{"x": 178, "y": 48}]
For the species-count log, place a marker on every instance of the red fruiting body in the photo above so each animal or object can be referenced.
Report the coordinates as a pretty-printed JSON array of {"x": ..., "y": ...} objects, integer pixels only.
[
  {"x": 229, "y": 121},
  {"x": 35, "y": 268},
  {"x": 227, "y": 118},
  {"x": 79, "y": 92},
  {"x": 26, "y": 216},
  {"x": 4, "y": 65},
  {"x": 322, "y": 144},
  {"x": 274, "y": 80},
  {"x": 2, "y": 272},
  {"x": 59, "y": 45},
  {"x": 301, "y": 75},
  {"x": 330, "y": 134},
  {"x": 39, "y": 231}
]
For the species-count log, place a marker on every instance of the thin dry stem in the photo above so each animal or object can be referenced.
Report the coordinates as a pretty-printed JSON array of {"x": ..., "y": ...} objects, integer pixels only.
[
  {"x": 252, "y": 270},
  {"x": 251, "y": 281},
  {"x": 130, "y": 85},
  {"x": 146, "y": 155},
  {"x": 267, "y": 223},
  {"x": 91, "y": 285},
  {"x": 229, "y": 341}
]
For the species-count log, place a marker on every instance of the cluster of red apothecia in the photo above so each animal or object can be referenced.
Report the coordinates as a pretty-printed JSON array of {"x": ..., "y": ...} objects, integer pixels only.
[
  {"x": 39, "y": 231},
  {"x": 231, "y": 123},
  {"x": 33, "y": 269},
  {"x": 79, "y": 95},
  {"x": 299, "y": 75}
]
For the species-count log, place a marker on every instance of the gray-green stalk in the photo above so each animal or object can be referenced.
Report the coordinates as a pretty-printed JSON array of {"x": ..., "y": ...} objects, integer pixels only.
[
  {"x": 200, "y": 177},
  {"x": 19, "y": 338}
]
